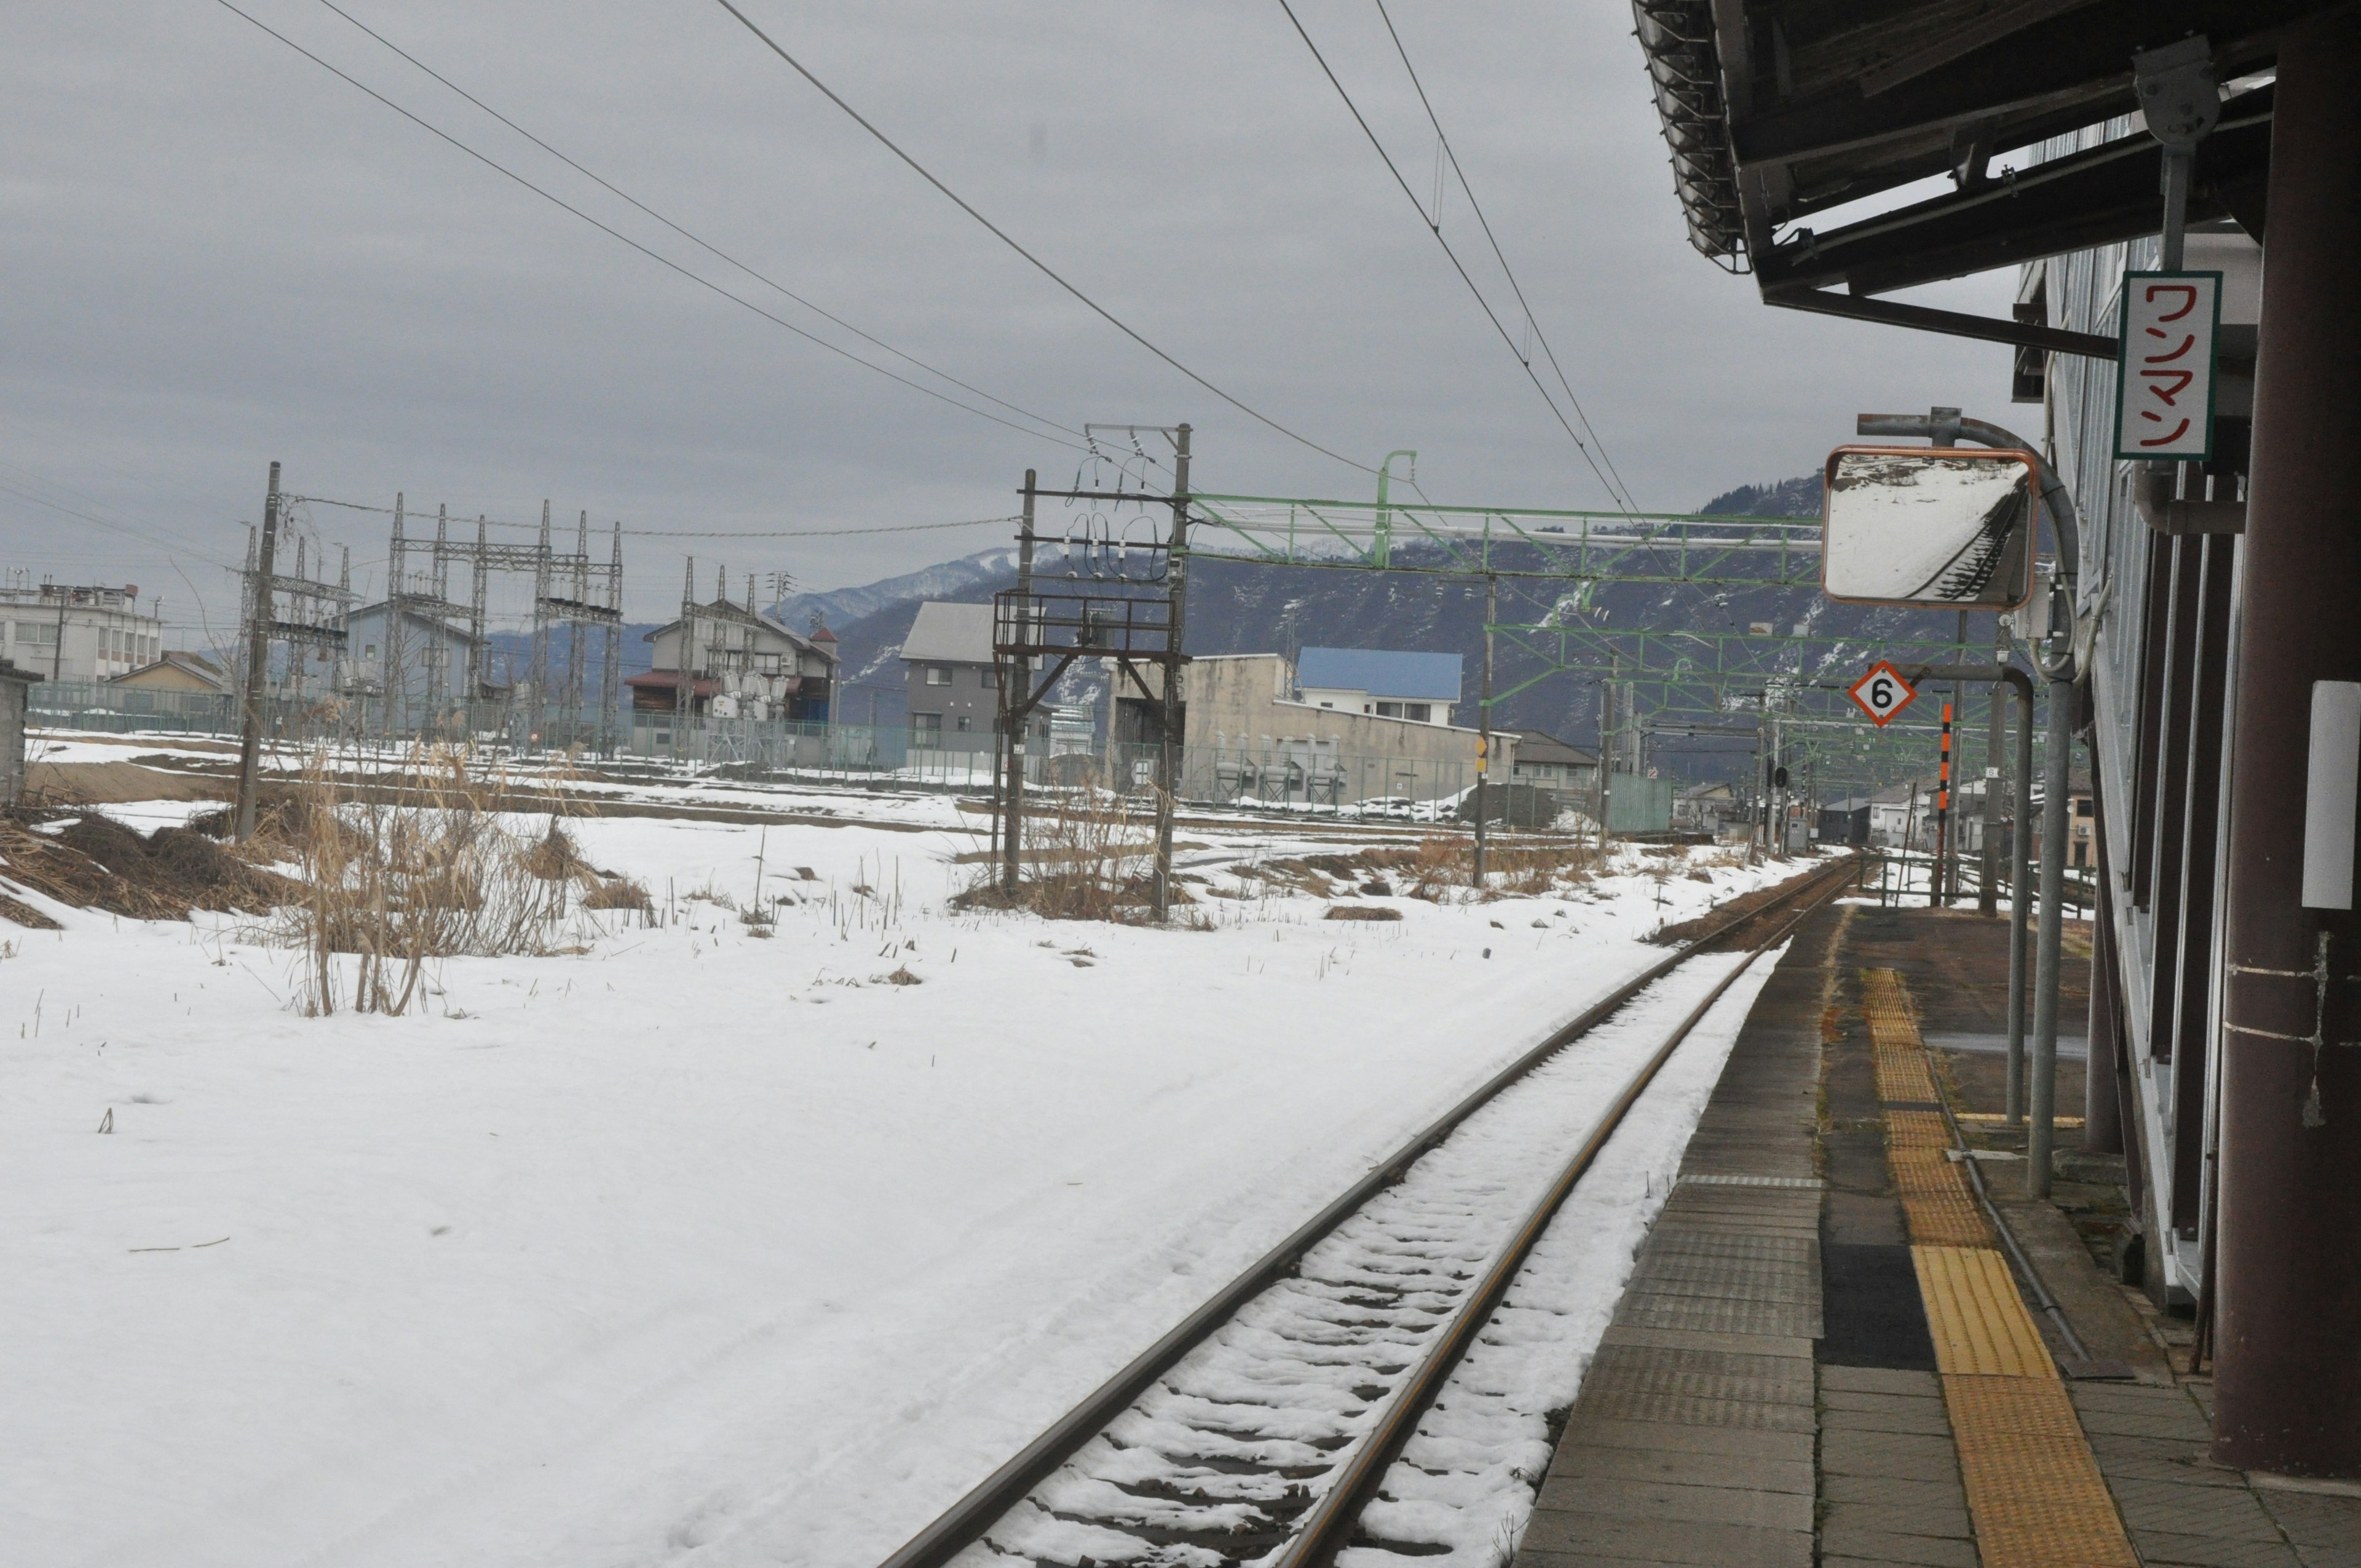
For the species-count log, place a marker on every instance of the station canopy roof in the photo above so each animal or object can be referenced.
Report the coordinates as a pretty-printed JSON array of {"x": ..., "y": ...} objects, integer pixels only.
[{"x": 1779, "y": 113}]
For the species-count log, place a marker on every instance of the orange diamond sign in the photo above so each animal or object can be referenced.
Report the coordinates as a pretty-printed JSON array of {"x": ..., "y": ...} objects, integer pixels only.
[{"x": 1882, "y": 693}]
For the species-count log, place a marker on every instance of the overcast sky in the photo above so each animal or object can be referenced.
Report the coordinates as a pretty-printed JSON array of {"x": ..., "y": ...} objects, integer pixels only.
[{"x": 219, "y": 254}]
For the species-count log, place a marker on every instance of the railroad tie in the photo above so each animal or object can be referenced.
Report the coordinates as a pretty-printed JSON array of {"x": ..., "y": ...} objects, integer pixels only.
[{"x": 2035, "y": 1493}]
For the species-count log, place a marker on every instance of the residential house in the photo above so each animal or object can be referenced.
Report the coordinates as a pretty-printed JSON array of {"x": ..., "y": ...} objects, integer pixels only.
[
  {"x": 955, "y": 687},
  {"x": 179, "y": 671},
  {"x": 1706, "y": 807},
  {"x": 741, "y": 664},
  {"x": 435, "y": 659},
  {"x": 1547, "y": 762}
]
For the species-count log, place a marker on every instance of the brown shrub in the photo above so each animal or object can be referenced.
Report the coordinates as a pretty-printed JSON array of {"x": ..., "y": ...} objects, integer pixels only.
[{"x": 1364, "y": 912}]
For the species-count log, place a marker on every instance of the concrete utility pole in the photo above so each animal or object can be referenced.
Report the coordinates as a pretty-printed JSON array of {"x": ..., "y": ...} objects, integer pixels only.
[
  {"x": 1175, "y": 591},
  {"x": 2287, "y": 1362},
  {"x": 263, "y": 602},
  {"x": 1484, "y": 722}
]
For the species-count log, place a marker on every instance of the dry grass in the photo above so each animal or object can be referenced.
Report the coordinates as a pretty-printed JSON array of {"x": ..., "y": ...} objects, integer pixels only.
[
  {"x": 425, "y": 869},
  {"x": 96, "y": 863},
  {"x": 1089, "y": 855},
  {"x": 619, "y": 893}
]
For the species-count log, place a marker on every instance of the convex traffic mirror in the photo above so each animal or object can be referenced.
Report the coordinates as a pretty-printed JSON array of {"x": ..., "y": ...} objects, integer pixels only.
[{"x": 1928, "y": 526}]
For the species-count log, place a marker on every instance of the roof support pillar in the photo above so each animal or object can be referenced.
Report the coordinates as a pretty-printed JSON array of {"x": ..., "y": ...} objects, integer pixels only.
[{"x": 2290, "y": 1361}]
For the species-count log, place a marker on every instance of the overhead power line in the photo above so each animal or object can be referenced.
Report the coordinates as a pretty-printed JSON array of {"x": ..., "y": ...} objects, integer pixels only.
[
  {"x": 694, "y": 239},
  {"x": 1531, "y": 320},
  {"x": 1435, "y": 226},
  {"x": 655, "y": 256},
  {"x": 1042, "y": 266}
]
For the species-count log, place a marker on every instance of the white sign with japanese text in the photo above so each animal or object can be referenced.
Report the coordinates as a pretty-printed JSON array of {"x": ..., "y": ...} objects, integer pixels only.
[{"x": 2164, "y": 387}]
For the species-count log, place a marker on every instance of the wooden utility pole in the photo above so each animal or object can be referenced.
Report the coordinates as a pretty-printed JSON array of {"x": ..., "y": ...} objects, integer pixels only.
[
  {"x": 1484, "y": 722},
  {"x": 263, "y": 602},
  {"x": 1016, "y": 708},
  {"x": 1175, "y": 600}
]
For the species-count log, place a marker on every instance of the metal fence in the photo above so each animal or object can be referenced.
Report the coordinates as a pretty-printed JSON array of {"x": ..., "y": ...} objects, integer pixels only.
[{"x": 107, "y": 708}]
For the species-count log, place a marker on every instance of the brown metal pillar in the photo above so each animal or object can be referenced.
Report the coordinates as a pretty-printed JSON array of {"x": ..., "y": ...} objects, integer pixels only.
[{"x": 2289, "y": 1358}]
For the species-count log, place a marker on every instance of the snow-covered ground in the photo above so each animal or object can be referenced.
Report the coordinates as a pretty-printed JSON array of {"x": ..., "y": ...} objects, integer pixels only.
[{"x": 692, "y": 1246}]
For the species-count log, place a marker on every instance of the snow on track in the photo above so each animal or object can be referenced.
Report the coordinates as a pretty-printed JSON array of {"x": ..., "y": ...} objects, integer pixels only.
[{"x": 1216, "y": 1463}]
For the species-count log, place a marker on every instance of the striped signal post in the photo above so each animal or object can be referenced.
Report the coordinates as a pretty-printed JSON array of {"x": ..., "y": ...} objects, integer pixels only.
[{"x": 1937, "y": 892}]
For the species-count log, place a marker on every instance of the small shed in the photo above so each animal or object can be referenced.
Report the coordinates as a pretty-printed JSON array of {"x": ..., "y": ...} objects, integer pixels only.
[{"x": 16, "y": 685}]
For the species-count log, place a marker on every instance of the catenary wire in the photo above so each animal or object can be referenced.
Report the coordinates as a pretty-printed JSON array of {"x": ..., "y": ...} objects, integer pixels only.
[
  {"x": 1042, "y": 266},
  {"x": 652, "y": 255},
  {"x": 694, "y": 239},
  {"x": 1452, "y": 154},
  {"x": 1435, "y": 228}
]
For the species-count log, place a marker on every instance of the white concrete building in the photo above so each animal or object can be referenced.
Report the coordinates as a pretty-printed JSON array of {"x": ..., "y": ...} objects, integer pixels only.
[{"x": 63, "y": 632}]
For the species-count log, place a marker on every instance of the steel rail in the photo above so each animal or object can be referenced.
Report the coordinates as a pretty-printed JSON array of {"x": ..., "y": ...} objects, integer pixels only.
[
  {"x": 1327, "y": 1528},
  {"x": 965, "y": 1521}
]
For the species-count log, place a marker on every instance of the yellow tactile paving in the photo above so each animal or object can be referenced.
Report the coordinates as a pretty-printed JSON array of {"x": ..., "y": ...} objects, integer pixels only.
[
  {"x": 1936, "y": 1199},
  {"x": 1893, "y": 1039},
  {"x": 1938, "y": 1205},
  {"x": 1978, "y": 1320},
  {"x": 2034, "y": 1491}
]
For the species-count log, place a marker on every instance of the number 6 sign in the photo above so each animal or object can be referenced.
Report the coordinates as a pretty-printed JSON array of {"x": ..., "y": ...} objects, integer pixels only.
[{"x": 1882, "y": 693}]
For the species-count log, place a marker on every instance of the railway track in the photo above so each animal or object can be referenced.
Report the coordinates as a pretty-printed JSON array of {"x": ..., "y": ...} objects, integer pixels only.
[{"x": 1258, "y": 1428}]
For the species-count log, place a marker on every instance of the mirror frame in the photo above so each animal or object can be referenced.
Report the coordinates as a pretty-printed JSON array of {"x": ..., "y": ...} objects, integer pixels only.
[{"x": 2032, "y": 465}]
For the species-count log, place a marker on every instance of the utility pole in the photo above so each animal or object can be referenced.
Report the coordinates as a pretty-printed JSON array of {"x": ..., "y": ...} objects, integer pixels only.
[
  {"x": 1017, "y": 713},
  {"x": 1176, "y": 606},
  {"x": 1606, "y": 747},
  {"x": 1484, "y": 722},
  {"x": 263, "y": 602}
]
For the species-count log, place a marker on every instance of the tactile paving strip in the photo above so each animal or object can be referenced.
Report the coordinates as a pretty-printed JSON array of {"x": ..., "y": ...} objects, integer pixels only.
[
  {"x": 1893, "y": 1039},
  {"x": 2034, "y": 1489},
  {"x": 1979, "y": 1322},
  {"x": 2035, "y": 1493},
  {"x": 1936, "y": 1200}
]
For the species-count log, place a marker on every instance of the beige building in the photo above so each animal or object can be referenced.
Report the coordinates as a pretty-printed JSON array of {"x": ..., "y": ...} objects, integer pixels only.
[
  {"x": 1251, "y": 735},
  {"x": 179, "y": 671}
]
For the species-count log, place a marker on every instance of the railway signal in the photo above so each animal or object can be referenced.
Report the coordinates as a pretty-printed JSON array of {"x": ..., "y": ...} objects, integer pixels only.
[{"x": 1883, "y": 693}]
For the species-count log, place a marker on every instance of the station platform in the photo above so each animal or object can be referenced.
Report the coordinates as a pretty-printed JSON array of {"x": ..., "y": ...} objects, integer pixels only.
[{"x": 1829, "y": 1355}]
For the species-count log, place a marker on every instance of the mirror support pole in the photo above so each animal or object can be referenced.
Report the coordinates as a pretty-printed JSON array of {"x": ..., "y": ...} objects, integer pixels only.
[
  {"x": 2058, "y": 669},
  {"x": 2018, "y": 681}
]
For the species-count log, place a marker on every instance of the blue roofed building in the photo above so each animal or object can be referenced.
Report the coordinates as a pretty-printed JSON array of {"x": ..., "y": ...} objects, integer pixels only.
[{"x": 1382, "y": 682}]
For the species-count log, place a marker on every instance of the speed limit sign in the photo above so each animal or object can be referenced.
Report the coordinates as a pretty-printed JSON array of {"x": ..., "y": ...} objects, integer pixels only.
[{"x": 1882, "y": 693}]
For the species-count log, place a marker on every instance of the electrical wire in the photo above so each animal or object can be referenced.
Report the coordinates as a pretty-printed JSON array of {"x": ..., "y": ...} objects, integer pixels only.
[
  {"x": 1452, "y": 154},
  {"x": 694, "y": 239},
  {"x": 1042, "y": 266},
  {"x": 1434, "y": 226},
  {"x": 684, "y": 532},
  {"x": 655, "y": 256}
]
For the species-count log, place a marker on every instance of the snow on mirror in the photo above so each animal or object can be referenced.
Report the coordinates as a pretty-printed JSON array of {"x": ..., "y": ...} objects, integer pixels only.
[{"x": 1928, "y": 526}]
